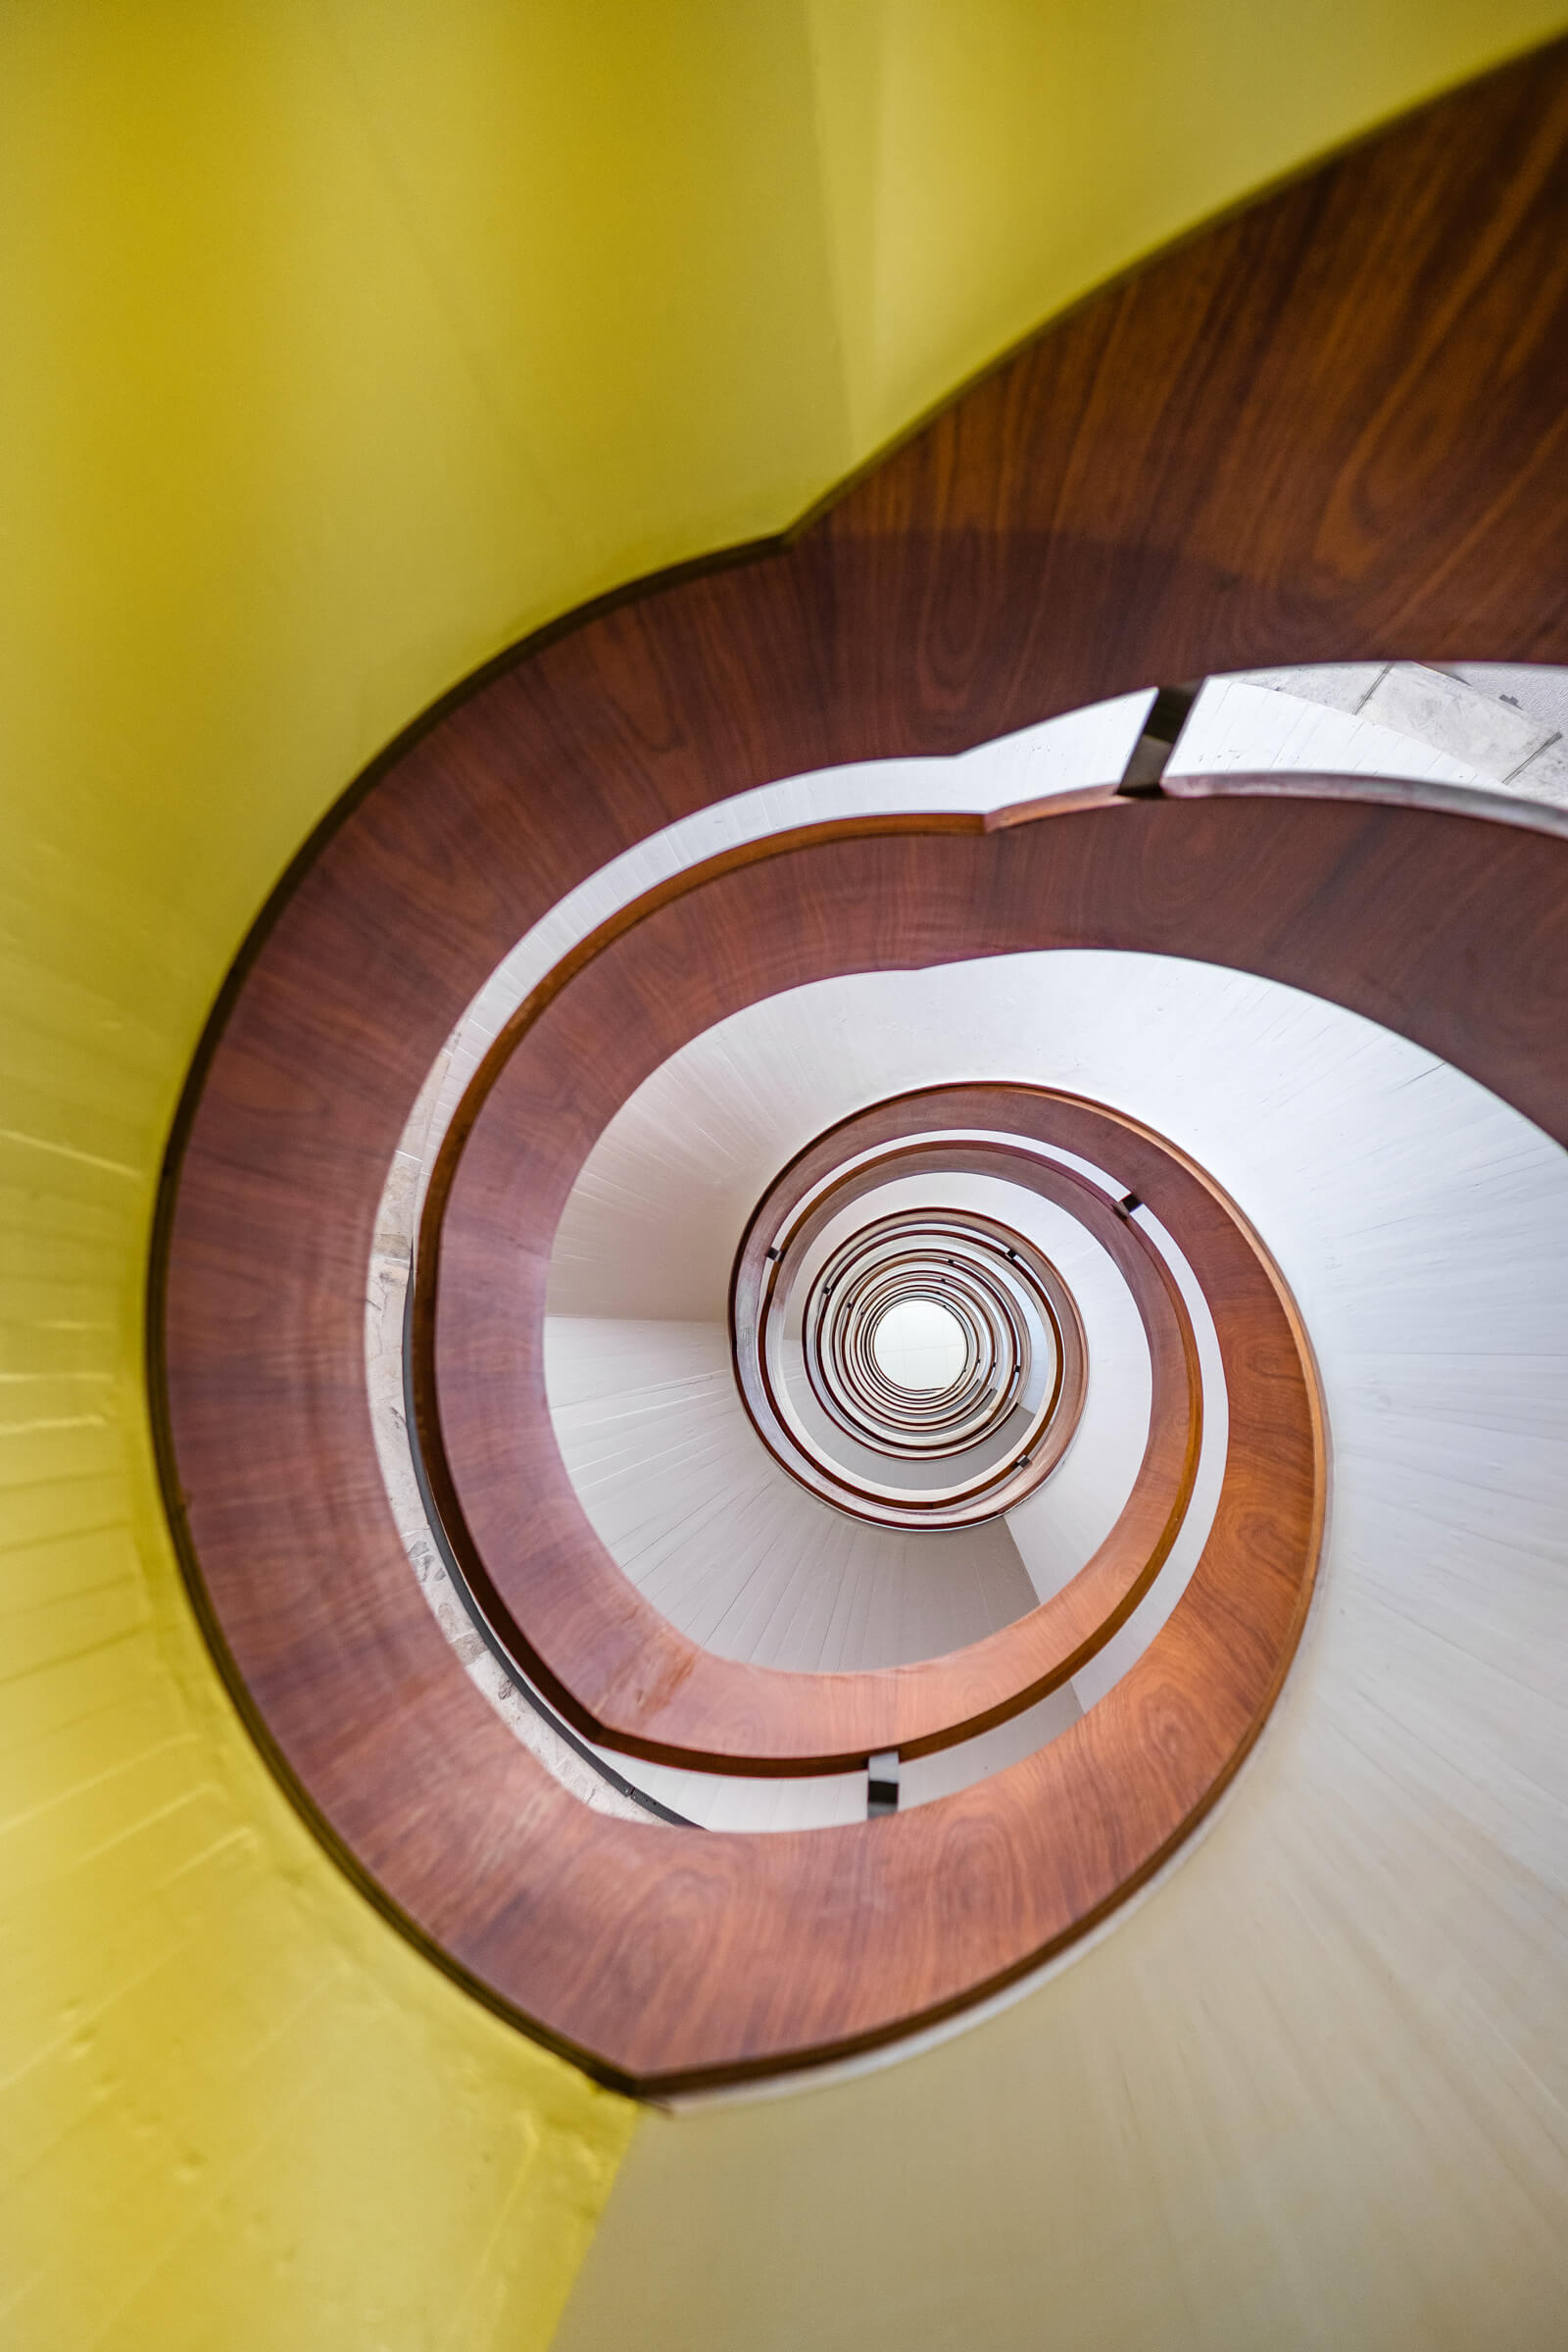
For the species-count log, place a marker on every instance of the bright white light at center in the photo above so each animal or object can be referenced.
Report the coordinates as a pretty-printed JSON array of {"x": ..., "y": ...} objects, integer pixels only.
[{"x": 920, "y": 1345}]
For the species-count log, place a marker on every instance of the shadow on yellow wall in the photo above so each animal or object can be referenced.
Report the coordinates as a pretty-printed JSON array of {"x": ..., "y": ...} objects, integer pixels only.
[{"x": 344, "y": 344}]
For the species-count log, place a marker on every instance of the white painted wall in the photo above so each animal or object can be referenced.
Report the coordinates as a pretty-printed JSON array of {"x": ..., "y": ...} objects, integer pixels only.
[
  {"x": 726, "y": 1543},
  {"x": 1419, "y": 1220}
]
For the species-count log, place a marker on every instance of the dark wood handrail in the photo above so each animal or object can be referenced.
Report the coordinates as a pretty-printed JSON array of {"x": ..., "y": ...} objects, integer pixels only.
[
  {"x": 607, "y": 1657},
  {"x": 1181, "y": 478},
  {"x": 1055, "y": 1418}
]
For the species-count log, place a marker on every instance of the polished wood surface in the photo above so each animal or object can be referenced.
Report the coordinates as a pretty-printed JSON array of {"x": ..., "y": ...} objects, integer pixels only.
[
  {"x": 753, "y": 923},
  {"x": 607, "y": 1658},
  {"x": 1331, "y": 428},
  {"x": 759, "y": 1297}
]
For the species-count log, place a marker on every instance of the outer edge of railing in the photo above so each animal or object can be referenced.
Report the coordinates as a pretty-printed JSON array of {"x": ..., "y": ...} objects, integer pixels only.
[{"x": 1016, "y": 497}]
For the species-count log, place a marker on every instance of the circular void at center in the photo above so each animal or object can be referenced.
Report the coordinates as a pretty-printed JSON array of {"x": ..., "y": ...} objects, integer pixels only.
[
  {"x": 649, "y": 799},
  {"x": 1080, "y": 1820},
  {"x": 965, "y": 1285},
  {"x": 920, "y": 1345},
  {"x": 977, "y": 1312}
]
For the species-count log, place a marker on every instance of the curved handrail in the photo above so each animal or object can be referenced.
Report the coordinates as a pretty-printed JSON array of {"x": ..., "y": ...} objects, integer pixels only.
[
  {"x": 1067, "y": 532},
  {"x": 506, "y": 1497},
  {"x": 939, "y": 1430}
]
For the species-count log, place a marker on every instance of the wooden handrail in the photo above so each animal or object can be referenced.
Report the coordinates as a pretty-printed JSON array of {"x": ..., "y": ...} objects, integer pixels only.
[
  {"x": 1144, "y": 492},
  {"x": 606, "y": 1656},
  {"x": 941, "y": 1432}
]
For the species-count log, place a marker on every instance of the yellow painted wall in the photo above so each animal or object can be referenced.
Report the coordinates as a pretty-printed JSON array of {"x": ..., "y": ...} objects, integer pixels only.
[{"x": 344, "y": 341}]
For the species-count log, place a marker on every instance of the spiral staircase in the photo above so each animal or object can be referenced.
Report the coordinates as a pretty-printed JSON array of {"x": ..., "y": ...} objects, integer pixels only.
[
  {"x": 746, "y": 1519},
  {"x": 661, "y": 1464},
  {"x": 857, "y": 1335},
  {"x": 723, "y": 1687}
]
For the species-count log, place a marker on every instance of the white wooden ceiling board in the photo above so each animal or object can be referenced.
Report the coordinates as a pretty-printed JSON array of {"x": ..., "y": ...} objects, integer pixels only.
[
  {"x": 724, "y": 1543},
  {"x": 1238, "y": 729}
]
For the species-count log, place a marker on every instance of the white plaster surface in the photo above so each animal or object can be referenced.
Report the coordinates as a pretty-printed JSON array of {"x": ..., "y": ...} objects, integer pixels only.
[
  {"x": 1500, "y": 727},
  {"x": 1410, "y": 1211},
  {"x": 384, "y": 1310},
  {"x": 723, "y": 1543}
]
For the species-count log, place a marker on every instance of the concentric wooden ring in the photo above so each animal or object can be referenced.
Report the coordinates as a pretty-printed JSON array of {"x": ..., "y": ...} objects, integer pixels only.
[
  {"x": 935, "y": 1259},
  {"x": 941, "y": 1426},
  {"x": 697, "y": 948},
  {"x": 1145, "y": 493}
]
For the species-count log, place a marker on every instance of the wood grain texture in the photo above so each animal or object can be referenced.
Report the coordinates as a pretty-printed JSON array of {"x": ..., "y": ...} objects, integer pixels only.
[
  {"x": 555, "y": 1077},
  {"x": 1332, "y": 428},
  {"x": 755, "y": 1298}
]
